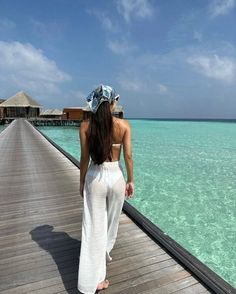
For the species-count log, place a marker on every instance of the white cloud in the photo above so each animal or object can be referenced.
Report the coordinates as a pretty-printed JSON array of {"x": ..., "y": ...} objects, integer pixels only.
[
  {"x": 133, "y": 81},
  {"x": 120, "y": 47},
  {"x": 104, "y": 19},
  {"x": 134, "y": 9},
  {"x": 79, "y": 96},
  {"x": 220, "y": 68},
  {"x": 221, "y": 7},
  {"x": 149, "y": 73},
  {"x": 6, "y": 23},
  {"x": 22, "y": 66},
  {"x": 129, "y": 84},
  {"x": 162, "y": 89},
  {"x": 107, "y": 24},
  {"x": 197, "y": 36},
  {"x": 49, "y": 31}
]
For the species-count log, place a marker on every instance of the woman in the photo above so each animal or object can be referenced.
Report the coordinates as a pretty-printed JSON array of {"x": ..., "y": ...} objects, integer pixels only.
[{"x": 102, "y": 186}]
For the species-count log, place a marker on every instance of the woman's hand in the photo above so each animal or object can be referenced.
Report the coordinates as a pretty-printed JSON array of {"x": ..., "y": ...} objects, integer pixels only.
[
  {"x": 129, "y": 191},
  {"x": 82, "y": 190}
]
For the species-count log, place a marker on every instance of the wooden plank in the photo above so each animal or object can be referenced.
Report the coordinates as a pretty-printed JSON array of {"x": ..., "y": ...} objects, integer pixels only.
[
  {"x": 141, "y": 282},
  {"x": 181, "y": 286},
  {"x": 194, "y": 289}
]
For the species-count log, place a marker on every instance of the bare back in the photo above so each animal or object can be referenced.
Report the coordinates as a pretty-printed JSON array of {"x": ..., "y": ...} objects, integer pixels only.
[
  {"x": 119, "y": 128},
  {"x": 121, "y": 136}
]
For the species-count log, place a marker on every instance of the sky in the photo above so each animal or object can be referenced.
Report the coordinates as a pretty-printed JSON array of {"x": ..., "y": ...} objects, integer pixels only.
[{"x": 166, "y": 58}]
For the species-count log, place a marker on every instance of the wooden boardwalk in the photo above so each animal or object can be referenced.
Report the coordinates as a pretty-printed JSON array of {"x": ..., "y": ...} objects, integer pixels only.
[{"x": 40, "y": 228}]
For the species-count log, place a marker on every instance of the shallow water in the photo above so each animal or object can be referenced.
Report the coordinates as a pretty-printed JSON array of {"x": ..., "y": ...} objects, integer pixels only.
[
  {"x": 185, "y": 183},
  {"x": 2, "y": 127}
]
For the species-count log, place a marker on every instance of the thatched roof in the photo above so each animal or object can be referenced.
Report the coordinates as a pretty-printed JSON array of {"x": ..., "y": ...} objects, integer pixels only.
[
  {"x": 51, "y": 112},
  {"x": 75, "y": 107},
  {"x": 20, "y": 99}
]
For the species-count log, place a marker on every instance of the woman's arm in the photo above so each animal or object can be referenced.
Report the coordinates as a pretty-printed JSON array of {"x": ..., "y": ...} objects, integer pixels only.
[
  {"x": 84, "y": 155},
  {"x": 128, "y": 160}
]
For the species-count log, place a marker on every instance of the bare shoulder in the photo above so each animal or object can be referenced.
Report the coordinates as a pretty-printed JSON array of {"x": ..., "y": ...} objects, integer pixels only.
[
  {"x": 123, "y": 123},
  {"x": 126, "y": 123}
]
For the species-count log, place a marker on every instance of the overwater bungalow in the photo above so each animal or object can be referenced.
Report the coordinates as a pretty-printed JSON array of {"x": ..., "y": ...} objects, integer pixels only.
[
  {"x": 19, "y": 105},
  {"x": 83, "y": 113},
  {"x": 73, "y": 113},
  {"x": 51, "y": 113},
  {"x": 1, "y": 109},
  {"x": 22, "y": 105}
]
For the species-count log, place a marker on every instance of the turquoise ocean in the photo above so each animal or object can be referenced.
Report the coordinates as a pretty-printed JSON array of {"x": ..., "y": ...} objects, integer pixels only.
[{"x": 185, "y": 180}]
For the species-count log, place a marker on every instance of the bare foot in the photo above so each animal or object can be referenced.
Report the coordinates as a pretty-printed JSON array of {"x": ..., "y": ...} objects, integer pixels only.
[{"x": 103, "y": 285}]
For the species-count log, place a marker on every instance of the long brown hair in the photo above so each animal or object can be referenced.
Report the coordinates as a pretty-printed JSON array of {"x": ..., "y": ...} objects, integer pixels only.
[{"x": 100, "y": 135}]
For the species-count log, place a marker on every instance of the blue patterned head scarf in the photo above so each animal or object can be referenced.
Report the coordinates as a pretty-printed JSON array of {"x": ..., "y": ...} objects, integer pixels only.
[{"x": 100, "y": 94}]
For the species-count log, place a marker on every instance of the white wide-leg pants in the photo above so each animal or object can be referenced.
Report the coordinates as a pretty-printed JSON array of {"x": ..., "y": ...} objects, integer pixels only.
[{"x": 104, "y": 194}]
